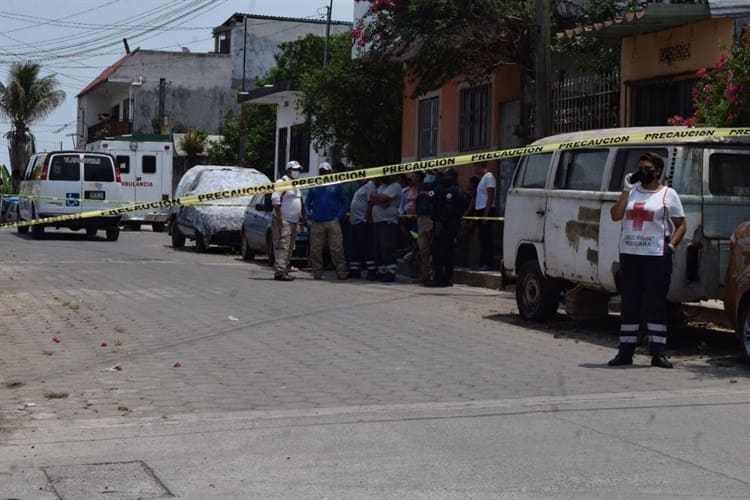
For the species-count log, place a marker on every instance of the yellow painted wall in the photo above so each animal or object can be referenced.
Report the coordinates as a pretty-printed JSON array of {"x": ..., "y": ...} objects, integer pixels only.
[{"x": 640, "y": 54}]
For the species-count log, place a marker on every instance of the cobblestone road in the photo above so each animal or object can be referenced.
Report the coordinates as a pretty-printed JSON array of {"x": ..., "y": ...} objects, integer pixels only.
[{"x": 136, "y": 329}]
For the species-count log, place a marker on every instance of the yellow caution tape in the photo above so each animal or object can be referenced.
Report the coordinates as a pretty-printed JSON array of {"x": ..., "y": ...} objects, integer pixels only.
[{"x": 399, "y": 168}]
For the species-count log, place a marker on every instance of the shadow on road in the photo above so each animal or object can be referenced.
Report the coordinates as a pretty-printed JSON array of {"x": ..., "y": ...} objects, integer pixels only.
[{"x": 699, "y": 347}]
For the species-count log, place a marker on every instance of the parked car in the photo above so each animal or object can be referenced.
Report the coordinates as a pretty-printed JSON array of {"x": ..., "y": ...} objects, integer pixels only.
[
  {"x": 256, "y": 231},
  {"x": 737, "y": 286},
  {"x": 558, "y": 233},
  {"x": 215, "y": 223},
  {"x": 63, "y": 183}
]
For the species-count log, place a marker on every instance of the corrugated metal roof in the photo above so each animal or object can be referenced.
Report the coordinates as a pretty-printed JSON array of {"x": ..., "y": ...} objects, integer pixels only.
[{"x": 729, "y": 8}]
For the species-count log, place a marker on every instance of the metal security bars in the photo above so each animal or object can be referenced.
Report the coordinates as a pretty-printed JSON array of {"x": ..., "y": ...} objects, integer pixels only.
[{"x": 585, "y": 102}]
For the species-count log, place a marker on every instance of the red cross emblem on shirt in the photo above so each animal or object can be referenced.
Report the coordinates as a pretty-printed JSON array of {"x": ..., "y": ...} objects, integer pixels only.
[{"x": 639, "y": 215}]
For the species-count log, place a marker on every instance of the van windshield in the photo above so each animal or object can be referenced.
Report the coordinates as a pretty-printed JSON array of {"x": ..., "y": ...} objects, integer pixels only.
[
  {"x": 98, "y": 169},
  {"x": 65, "y": 168}
]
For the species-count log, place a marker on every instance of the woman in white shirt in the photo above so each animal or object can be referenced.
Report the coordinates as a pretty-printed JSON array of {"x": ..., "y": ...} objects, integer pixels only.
[{"x": 653, "y": 224}]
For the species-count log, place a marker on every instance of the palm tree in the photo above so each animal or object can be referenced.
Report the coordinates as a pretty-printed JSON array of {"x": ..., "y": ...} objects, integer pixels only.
[{"x": 25, "y": 99}]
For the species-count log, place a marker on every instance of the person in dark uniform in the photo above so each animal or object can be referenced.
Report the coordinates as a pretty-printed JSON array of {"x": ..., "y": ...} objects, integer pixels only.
[{"x": 449, "y": 208}]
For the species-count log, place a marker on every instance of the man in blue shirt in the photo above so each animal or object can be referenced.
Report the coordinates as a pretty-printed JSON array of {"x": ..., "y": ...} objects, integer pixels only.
[{"x": 325, "y": 205}]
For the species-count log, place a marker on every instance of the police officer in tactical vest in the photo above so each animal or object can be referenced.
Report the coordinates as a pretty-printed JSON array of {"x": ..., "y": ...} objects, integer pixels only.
[
  {"x": 428, "y": 191},
  {"x": 449, "y": 207}
]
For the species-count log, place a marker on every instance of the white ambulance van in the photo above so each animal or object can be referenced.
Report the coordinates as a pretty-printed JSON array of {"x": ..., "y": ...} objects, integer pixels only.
[
  {"x": 558, "y": 232},
  {"x": 146, "y": 172},
  {"x": 67, "y": 183}
]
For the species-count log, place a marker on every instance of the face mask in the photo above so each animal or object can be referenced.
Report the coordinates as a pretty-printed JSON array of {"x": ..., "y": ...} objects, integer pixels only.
[
  {"x": 294, "y": 174},
  {"x": 647, "y": 176}
]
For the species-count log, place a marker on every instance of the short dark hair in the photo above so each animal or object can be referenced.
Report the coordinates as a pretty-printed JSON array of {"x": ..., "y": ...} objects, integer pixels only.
[{"x": 654, "y": 159}]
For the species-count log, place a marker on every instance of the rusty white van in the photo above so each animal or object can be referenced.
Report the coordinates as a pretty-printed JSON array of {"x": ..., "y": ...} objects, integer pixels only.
[{"x": 558, "y": 231}]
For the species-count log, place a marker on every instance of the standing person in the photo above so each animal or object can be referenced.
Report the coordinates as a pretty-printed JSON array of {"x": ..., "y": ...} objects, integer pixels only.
[
  {"x": 450, "y": 205},
  {"x": 287, "y": 213},
  {"x": 653, "y": 224},
  {"x": 361, "y": 225},
  {"x": 385, "y": 202},
  {"x": 324, "y": 206},
  {"x": 349, "y": 188},
  {"x": 484, "y": 206},
  {"x": 424, "y": 207}
]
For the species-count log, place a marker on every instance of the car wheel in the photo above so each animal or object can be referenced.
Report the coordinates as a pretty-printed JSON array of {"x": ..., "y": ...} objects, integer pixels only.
[
  {"x": 743, "y": 329},
  {"x": 245, "y": 250},
  {"x": 200, "y": 242},
  {"x": 113, "y": 233},
  {"x": 157, "y": 227},
  {"x": 178, "y": 239},
  {"x": 269, "y": 250},
  {"x": 21, "y": 229},
  {"x": 537, "y": 297},
  {"x": 91, "y": 232}
]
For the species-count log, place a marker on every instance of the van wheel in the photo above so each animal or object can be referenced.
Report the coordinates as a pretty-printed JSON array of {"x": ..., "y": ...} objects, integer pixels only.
[
  {"x": 91, "y": 232},
  {"x": 269, "y": 250},
  {"x": 743, "y": 329},
  {"x": 113, "y": 233},
  {"x": 37, "y": 231},
  {"x": 200, "y": 242},
  {"x": 178, "y": 239},
  {"x": 245, "y": 250},
  {"x": 157, "y": 227},
  {"x": 537, "y": 297}
]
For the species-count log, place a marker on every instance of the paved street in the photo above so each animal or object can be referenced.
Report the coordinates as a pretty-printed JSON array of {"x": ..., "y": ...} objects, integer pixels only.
[{"x": 212, "y": 380}]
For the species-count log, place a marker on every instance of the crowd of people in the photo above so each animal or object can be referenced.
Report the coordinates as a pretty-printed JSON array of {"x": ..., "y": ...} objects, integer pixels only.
[{"x": 367, "y": 225}]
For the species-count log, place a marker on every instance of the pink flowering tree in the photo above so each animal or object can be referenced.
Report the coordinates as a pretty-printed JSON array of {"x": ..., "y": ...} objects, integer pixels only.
[{"x": 721, "y": 96}]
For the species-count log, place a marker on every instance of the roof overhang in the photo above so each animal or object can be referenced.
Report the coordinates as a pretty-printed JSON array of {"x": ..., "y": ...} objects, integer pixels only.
[
  {"x": 270, "y": 94},
  {"x": 654, "y": 17}
]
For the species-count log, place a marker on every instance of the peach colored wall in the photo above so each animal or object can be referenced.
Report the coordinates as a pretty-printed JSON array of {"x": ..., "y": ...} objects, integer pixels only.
[
  {"x": 640, "y": 54},
  {"x": 506, "y": 87}
]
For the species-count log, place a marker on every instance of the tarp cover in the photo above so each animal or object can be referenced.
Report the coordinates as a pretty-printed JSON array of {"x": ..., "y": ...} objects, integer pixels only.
[{"x": 214, "y": 217}]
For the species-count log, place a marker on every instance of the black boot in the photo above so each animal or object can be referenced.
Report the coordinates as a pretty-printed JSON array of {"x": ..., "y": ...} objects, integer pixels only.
[
  {"x": 660, "y": 361},
  {"x": 624, "y": 355}
]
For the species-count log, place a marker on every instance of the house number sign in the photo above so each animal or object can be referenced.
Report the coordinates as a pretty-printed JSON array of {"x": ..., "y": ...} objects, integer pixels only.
[{"x": 674, "y": 53}]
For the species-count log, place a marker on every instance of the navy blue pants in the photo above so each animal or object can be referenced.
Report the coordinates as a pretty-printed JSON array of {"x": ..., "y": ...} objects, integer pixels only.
[
  {"x": 386, "y": 242},
  {"x": 644, "y": 283},
  {"x": 361, "y": 236}
]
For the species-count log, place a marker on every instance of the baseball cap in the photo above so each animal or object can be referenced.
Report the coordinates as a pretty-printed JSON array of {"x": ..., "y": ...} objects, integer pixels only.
[
  {"x": 325, "y": 166},
  {"x": 294, "y": 165}
]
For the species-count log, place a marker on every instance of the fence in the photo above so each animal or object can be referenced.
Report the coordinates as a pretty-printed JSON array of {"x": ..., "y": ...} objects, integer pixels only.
[{"x": 584, "y": 102}]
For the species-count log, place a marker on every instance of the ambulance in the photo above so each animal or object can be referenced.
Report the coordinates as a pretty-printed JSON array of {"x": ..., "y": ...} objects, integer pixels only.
[{"x": 145, "y": 166}]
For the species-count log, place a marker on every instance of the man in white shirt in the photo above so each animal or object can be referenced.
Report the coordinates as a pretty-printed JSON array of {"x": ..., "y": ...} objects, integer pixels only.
[
  {"x": 287, "y": 213},
  {"x": 385, "y": 202},
  {"x": 484, "y": 206}
]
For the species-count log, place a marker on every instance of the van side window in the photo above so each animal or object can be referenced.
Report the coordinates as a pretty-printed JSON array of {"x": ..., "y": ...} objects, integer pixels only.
[
  {"x": 98, "y": 169},
  {"x": 729, "y": 175},
  {"x": 581, "y": 169},
  {"x": 532, "y": 173},
  {"x": 626, "y": 162},
  {"x": 65, "y": 168},
  {"x": 148, "y": 164},
  {"x": 123, "y": 163}
]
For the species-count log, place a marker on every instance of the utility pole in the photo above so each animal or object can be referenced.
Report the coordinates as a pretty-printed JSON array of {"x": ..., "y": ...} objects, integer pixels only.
[
  {"x": 542, "y": 70},
  {"x": 328, "y": 33}
]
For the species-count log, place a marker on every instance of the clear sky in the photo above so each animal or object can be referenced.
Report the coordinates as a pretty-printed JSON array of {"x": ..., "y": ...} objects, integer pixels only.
[{"x": 78, "y": 39}]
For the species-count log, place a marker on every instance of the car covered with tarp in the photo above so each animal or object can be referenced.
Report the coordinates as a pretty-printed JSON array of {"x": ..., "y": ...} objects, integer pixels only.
[{"x": 216, "y": 222}]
